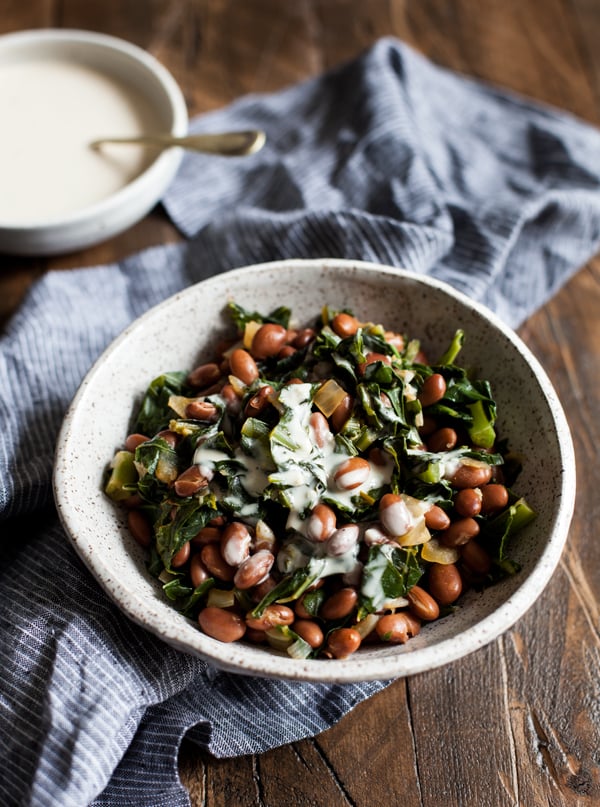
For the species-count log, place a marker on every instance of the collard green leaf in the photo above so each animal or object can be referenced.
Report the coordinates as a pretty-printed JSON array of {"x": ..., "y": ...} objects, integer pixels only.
[
  {"x": 495, "y": 534},
  {"x": 240, "y": 316},
  {"x": 186, "y": 598},
  {"x": 389, "y": 573},
  {"x": 123, "y": 477},
  {"x": 454, "y": 348},
  {"x": 158, "y": 463},
  {"x": 180, "y": 523},
  {"x": 292, "y": 586},
  {"x": 155, "y": 413}
]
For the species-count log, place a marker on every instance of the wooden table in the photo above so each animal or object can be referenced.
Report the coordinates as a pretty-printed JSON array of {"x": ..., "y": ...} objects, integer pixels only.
[{"x": 517, "y": 723}]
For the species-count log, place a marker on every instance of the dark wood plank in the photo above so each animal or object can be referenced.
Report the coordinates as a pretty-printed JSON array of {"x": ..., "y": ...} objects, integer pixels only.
[
  {"x": 372, "y": 750},
  {"x": 554, "y": 719},
  {"x": 528, "y": 47},
  {"x": 587, "y": 15},
  {"x": 491, "y": 744},
  {"x": 18, "y": 16},
  {"x": 518, "y": 722}
]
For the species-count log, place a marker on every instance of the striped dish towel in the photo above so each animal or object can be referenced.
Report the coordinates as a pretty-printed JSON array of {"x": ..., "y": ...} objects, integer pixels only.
[{"x": 388, "y": 159}]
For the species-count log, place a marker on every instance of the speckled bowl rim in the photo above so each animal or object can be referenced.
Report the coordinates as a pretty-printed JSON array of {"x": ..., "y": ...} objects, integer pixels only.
[{"x": 231, "y": 657}]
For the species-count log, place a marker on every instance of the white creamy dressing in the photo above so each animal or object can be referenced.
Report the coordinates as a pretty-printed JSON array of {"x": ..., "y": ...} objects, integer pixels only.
[
  {"x": 306, "y": 470},
  {"x": 52, "y": 109},
  {"x": 371, "y": 585},
  {"x": 324, "y": 459},
  {"x": 452, "y": 462},
  {"x": 301, "y": 464},
  {"x": 297, "y": 553}
]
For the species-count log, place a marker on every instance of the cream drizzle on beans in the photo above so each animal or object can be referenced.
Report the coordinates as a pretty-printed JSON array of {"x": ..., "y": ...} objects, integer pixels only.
[{"x": 320, "y": 486}]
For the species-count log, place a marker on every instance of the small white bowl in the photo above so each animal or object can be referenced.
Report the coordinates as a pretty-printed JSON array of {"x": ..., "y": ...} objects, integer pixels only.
[
  {"x": 96, "y": 69},
  {"x": 179, "y": 333}
]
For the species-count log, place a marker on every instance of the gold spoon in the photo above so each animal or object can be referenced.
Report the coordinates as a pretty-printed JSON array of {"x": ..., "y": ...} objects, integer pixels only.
[{"x": 228, "y": 144}]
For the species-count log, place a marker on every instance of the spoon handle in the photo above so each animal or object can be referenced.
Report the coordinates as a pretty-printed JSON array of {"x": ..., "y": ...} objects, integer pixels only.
[{"x": 229, "y": 144}]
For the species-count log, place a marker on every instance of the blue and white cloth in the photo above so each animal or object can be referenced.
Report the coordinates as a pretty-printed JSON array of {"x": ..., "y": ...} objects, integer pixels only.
[{"x": 388, "y": 159}]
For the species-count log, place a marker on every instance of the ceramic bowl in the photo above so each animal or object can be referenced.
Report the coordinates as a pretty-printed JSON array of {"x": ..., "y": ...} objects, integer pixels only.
[
  {"x": 142, "y": 94},
  {"x": 180, "y": 332}
]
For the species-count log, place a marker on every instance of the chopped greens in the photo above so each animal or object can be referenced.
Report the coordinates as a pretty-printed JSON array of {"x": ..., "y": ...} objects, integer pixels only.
[{"x": 307, "y": 501}]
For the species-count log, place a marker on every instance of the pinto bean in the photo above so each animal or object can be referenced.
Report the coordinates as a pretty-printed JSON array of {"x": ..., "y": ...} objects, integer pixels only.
[
  {"x": 258, "y": 402},
  {"x": 190, "y": 482},
  {"x": 459, "y": 532},
  {"x": 321, "y": 523},
  {"x": 342, "y": 540},
  {"x": 341, "y": 414},
  {"x": 226, "y": 626},
  {"x": 198, "y": 572},
  {"x": 371, "y": 358},
  {"x": 301, "y": 611},
  {"x": 345, "y": 325},
  {"x": 262, "y": 589},
  {"x": 467, "y": 502},
  {"x": 320, "y": 428},
  {"x": 207, "y": 535},
  {"x": 309, "y": 631},
  {"x": 471, "y": 476},
  {"x": 271, "y": 617},
  {"x": 268, "y": 340},
  {"x": 374, "y": 536},
  {"x": 476, "y": 558},
  {"x": 443, "y": 439},
  {"x": 494, "y": 498},
  {"x": 422, "y": 604},
  {"x": 232, "y": 402},
  {"x": 180, "y": 558},
  {"x": 394, "y": 339},
  {"x": 202, "y": 410},
  {"x": 303, "y": 338},
  {"x": 135, "y": 440},
  {"x": 397, "y": 628},
  {"x": 215, "y": 563},
  {"x": 436, "y": 518},
  {"x": 340, "y": 604},
  {"x": 394, "y": 515},
  {"x": 444, "y": 583},
  {"x": 352, "y": 473},
  {"x": 235, "y": 543},
  {"x": 433, "y": 390},
  {"x": 254, "y": 569},
  {"x": 243, "y": 366},
  {"x": 172, "y": 438},
  {"x": 343, "y": 642},
  {"x": 204, "y": 375},
  {"x": 139, "y": 527},
  {"x": 133, "y": 502}
]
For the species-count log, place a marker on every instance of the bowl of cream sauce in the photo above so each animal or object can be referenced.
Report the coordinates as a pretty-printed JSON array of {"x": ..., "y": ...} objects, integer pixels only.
[{"x": 59, "y": 91}]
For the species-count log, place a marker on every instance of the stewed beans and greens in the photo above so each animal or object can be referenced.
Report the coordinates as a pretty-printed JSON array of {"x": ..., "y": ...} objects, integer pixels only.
[{"x": 317, "y": 487}]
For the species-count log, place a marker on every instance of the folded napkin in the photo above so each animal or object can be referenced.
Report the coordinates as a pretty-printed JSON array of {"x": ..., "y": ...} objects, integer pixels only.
[{"x": 389, "y": 159}]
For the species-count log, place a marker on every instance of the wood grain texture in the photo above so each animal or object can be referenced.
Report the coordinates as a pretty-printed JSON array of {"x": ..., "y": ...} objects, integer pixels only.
[{"x": 517, "y": 723}]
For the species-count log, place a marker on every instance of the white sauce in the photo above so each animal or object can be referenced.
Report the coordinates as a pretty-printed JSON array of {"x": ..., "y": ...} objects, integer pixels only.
[
  {"x": 301, "y": 464},
  {"x": 51, "y": 110}
]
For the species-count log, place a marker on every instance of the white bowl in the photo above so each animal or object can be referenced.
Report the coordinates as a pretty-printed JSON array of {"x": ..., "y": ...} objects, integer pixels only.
[
  {"x": 62, "y": 195},
  {"x": 180, "y": 331}
]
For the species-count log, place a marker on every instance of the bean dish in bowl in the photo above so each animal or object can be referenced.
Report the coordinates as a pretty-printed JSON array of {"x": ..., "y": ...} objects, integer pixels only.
[{"x": 351, "y": 485}]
